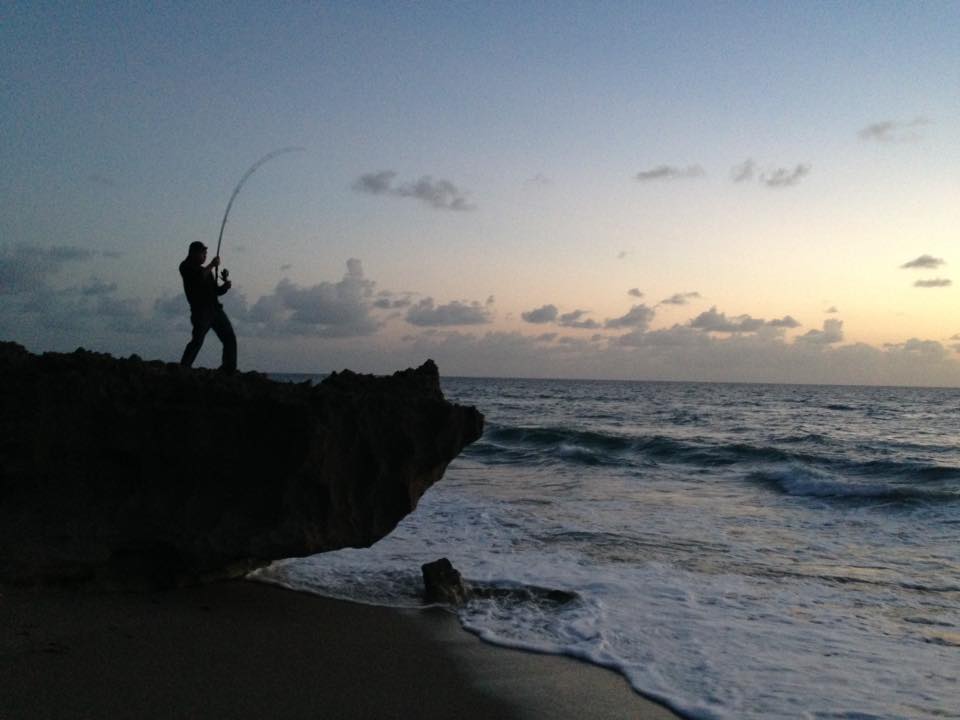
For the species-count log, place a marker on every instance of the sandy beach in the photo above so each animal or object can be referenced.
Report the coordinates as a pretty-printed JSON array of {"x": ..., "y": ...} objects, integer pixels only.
[{"x": 248, "y": 650}]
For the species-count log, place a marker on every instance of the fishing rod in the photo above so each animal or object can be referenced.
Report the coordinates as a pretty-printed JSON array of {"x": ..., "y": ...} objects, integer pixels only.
[{"x": 253, "y": 168}]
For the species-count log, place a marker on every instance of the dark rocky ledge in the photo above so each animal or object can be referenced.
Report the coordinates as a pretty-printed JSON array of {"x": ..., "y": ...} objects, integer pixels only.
[{"x": 143, "y": 474}]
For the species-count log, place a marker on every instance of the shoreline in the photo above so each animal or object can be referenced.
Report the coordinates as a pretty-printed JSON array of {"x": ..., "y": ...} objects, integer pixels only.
[{"x": 245, "y": 649}]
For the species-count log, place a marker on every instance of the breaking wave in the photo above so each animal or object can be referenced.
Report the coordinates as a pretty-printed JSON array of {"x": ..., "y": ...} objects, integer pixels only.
[
  {"x": 810, "y": 482},
  {"x": 801, "y": 464}
]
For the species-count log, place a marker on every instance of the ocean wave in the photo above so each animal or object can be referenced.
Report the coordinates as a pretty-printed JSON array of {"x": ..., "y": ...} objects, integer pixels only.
[
  {"x": 387, "y": 586},
  {"x": 555, "y": 436},
  {"x": 804, "y": 481},
  {"x": 588, "y": 447},
  {"x": 581, "y": 455},
  {"x": 686, "y": 417},
  {"x": 918, "y": 620},
  {"x": 908, "y": 470},
  {"x": 515, "y": 595},
  {"x": 492, "y": 453},
  {"x": 803, "y": 439},
  {"x": 822, "y": 471}
]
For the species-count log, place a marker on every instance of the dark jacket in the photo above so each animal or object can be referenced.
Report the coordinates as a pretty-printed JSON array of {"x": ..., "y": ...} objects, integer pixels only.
[{"x": 201, "y": 287}]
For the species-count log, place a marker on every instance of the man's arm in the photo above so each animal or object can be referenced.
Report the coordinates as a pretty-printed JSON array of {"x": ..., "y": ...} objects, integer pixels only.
[
  {"x": 215, "y": 263},
  {"x": 212, "y": 265}
]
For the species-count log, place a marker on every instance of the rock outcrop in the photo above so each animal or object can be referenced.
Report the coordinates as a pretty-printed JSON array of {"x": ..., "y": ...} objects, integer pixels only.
[
  {"x": 145, "y": 474},
  {"x": 442, "y": 583}
]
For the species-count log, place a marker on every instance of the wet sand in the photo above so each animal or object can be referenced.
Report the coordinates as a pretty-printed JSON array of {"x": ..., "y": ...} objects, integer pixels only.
[{"x": 248, "y": 650}]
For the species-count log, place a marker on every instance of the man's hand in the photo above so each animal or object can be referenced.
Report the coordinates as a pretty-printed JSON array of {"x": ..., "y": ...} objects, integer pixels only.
[{"x": 215, "y": 262}]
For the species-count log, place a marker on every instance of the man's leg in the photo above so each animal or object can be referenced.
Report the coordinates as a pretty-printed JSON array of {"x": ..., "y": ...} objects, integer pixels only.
[
  {"x": 201, "y": 324},
  {"x": 224, "y": 330}
]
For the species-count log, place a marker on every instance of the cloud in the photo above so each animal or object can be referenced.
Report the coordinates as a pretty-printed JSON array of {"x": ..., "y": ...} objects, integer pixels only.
[
  {"x": 385, "y": 303},
  {"x": 680, "y": 298},
  {"x": 327, "y": 309},
  {"x": 669, "y": 172},
  {"x": 635, "y": 292},
  {"x": 924, "y": 262},
  {"x": 832, "y": 309},
  {"x": 683, "y": 353},
  {"x": 375, "y": 183},
  {"x": 573, "y": 320},
  {"x": 269, "y": 312},
  {"x": 545, "y": 314},
  {"x": 539, "y": 179},
  {"x": 107, "y": 305},
  {"x": 877, "y": 131},
  {"x": 787, "y": 321},
  {"x": 622, "y": 254},
  {"x": 390, "y": 300},
  {"x": 388, "y": 304},
  {"x": 77, "y": 314},
  {"x": 439, "y": 194},
  {"x": 678, "y": 336},
  {"x": 934, "y": 283},
  {"x": 832, "y": 333},
  {"x": 285, "y": 267},
  {"x": 550, "y": 313},
  {"x": 638, "y": 317},
  {"x": 171, "y": 306},
  {"x": 513, "y": 354},
  {"x": 887, "y": 131},
  {"x": 919, "y": 347},
  {"x": 25, "y": 267},
  {"x": 784, "y": 177},
  {"x": 425, "y": 313},
  {"x": 96, "y": 286},
  {"x": 102, "y": 319},
  {"x": 924, "y": 347},
  {"x": 772, "y": 177},
  {"x": 714, "y": 321},
  {"x": 744, "y": 171},
  {"x": 570, "y": 341}
]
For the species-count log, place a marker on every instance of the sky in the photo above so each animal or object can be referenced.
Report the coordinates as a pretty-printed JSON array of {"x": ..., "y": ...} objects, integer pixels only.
[{"x": 738, "y": 191}]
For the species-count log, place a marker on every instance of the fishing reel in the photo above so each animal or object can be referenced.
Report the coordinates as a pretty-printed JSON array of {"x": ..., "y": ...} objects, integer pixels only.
[{"x": 224, "y": 275}]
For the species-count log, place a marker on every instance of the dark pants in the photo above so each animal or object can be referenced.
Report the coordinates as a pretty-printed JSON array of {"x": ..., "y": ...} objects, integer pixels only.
[{"x": 213, "y": 319}]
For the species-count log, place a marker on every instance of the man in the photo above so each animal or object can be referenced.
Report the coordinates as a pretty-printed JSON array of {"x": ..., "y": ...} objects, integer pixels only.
[{"x": 202, "y": 289}]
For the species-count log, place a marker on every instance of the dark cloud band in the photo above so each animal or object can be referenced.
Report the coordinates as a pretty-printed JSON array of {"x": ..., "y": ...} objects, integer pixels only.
[
  {"x": 439, "y": 194},
  {"x": 669, "y": 172}
]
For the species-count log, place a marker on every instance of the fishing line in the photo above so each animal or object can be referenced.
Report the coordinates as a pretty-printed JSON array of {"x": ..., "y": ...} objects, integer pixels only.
[{"x": 253, "y": 168}]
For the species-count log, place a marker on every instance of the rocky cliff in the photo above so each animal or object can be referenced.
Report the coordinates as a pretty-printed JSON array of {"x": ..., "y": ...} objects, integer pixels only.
[{"x": 138, "y": 473}]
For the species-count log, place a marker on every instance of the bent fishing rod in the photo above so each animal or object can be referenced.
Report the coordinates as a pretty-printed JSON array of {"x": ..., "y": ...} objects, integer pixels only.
[{"x": 253, "y": 168}]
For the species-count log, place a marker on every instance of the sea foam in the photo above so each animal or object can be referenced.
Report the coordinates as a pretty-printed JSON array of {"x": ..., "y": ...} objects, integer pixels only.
[{"x": 791, "y": 553}]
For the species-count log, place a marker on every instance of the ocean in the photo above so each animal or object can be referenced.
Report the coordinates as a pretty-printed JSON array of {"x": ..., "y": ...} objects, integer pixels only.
[{"x": 735, "y": 551}]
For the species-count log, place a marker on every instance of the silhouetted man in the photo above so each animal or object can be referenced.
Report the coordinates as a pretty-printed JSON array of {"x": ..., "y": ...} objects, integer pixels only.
[{"x": 206, "y": 313}]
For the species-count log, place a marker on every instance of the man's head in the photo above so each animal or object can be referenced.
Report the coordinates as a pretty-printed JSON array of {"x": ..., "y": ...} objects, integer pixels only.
[{"x": 198, "y": 251}]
